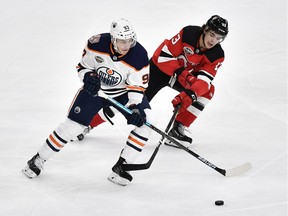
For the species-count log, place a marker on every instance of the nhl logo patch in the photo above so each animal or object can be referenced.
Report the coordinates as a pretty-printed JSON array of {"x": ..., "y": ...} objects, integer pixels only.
[
  {"x": 99, "y": 59},
  {"x": 188, "y": 51}
]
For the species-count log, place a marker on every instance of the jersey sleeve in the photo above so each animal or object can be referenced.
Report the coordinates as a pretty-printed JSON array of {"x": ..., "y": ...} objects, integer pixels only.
[
  {"x": 86, "y": 63},
  {"x": 166, "y": 55},
  {"x": 137, "y": 82},
  {"x": 138, "y": 77},
  {"x": 206, "y": 73}
]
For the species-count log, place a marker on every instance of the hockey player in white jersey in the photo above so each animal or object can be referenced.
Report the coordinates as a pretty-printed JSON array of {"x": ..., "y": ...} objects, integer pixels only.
[{"x": 116, "y": 64}]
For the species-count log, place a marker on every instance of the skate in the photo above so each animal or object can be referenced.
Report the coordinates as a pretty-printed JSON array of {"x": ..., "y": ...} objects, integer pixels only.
[
  {"x": 177, "y": 132},
  {"x": 34, "y": 166},
  {"x": 119, "y": 176}
]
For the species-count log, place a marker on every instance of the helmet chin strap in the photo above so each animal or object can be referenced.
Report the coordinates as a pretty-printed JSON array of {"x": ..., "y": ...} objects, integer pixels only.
[
  {"x": 204, "y": 41},
  {"x": 115, "y": 46}
]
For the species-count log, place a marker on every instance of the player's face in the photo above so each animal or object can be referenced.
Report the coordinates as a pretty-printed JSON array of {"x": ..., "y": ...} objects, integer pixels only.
[
  {"x": 211, "y": 39},
  {"x": 124, "y": 45}
]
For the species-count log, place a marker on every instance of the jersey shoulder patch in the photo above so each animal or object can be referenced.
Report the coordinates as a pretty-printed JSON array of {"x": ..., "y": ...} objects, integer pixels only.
[
  {"x": 100, "y": 42},
  {"x": 95, "y": 39}
]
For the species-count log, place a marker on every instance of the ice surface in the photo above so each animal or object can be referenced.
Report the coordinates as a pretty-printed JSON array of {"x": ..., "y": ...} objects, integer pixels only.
[{"x": 41, "y": 43}]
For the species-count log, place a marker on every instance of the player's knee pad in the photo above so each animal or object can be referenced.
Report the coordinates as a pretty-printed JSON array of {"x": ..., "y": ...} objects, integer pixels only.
[
  {"x": 69, "y": 129},
  {"x": 203, "y": 100},
  {"x": 193, "y": 111},
  {"x": 209, "y": 94}
]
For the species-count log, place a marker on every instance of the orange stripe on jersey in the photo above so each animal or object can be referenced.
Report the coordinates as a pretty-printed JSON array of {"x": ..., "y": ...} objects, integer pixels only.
[
  {"x": 136, "y": 141},
  {"x": 135, "y": 88},
  {"x": 103, "y": 53},
  {"x": 132, "y": 66},
  {"x": 108, "y": 54},
  {"x": 55, "y": 141}
]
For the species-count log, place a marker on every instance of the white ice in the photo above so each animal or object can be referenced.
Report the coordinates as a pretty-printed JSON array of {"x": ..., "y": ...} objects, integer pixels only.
[{"x": 41, "y": 43}]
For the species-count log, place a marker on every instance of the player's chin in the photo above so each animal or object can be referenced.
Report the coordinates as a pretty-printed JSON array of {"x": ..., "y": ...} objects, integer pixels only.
[
  {"x": 123, "y": 52},
  {"x": 210, "y": 45}
]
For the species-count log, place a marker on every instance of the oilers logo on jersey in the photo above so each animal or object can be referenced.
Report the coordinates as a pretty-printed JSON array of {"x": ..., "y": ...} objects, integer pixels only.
[{"x": 108, "y": 76}]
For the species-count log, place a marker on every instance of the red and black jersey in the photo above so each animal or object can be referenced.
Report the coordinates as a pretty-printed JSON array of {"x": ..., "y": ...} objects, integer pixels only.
[{"x": 183, "y": 51}]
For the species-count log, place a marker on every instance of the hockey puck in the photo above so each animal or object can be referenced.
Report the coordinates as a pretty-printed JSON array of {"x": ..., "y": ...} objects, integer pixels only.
[{"x": 219, "y": 202}]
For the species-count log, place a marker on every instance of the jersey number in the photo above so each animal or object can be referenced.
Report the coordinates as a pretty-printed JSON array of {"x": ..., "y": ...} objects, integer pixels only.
[
  {"x": 175, "y": 39},
  {"x": 217, "y": 66},
  {"x": 145, "y": 78}
]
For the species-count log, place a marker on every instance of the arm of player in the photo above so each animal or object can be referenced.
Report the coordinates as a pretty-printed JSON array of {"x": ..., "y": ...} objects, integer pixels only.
[
  {"x": 166, "y": 55},
  {"x": 86, "y": 64},
  {"x": 137, "y": 82},
  {"x": 185, "y": 99},
  {"x": 199, "y": 82}
]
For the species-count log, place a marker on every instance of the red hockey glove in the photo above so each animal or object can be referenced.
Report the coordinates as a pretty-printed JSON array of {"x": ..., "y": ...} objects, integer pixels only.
[
  {"x": 184, "y": 77},
  {"x": 185, "y": 98}
]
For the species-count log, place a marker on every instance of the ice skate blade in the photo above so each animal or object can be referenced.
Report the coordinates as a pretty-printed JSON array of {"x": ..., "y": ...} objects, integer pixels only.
[
  {"x": 171, "y": 144},
  {"x": 28, "y": 172},
  {"x": 116, "y": 179}
]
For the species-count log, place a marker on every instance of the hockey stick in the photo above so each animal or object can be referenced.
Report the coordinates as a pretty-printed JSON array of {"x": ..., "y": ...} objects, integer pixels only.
[
  {"x": 228, "y": 172},
  {"x": 131, "y": 167}
]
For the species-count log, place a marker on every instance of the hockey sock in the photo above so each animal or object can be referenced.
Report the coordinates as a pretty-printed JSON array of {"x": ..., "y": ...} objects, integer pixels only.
[
  {"x": 97, "y": 120},
  {"x": 134, "y": 145}
]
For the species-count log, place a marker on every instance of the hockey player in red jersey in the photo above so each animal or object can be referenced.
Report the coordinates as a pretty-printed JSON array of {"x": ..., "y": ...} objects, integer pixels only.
[
  {"x": 118, "y": 65},
  {"x": 188, "y": 63}
]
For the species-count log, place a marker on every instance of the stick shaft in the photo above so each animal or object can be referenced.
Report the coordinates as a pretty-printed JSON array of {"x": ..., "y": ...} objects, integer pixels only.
[
  {"x": 232, "y": 172},
  {"x": 163, "y": 134}
]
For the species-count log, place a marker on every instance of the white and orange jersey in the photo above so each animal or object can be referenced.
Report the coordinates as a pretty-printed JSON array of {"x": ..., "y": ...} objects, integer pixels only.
[{"x": 118, "y": 73}]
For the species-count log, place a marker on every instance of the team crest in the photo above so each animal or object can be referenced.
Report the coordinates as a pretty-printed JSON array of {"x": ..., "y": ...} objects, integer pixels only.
[
  {"x": 77, "y": 110},
  {"x": 99, "y": 59},
  {"x": 109, "y": 76},
  {"x": 188, "y": 51},
  {"x": 95, "y": 38}
]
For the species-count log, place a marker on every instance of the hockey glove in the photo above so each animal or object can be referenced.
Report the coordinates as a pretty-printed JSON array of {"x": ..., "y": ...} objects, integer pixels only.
[
  {"x": 184, "y": 77},
  {"x": 185, "y": 98},
  {"x": 91, "y": 83},
  {"x": 138, "y": 117}
]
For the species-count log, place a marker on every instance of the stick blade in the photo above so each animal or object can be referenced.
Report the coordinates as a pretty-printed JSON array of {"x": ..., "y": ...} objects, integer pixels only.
[{"x": 238, "y": 170}]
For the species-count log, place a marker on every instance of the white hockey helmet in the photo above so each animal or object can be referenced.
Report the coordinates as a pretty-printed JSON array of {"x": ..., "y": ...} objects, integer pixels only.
[{"x": 122, "y": 29}]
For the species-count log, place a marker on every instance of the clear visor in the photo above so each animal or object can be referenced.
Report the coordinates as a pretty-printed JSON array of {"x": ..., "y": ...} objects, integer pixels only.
[
  {"x": 125, "y": 41},
  {"x": 216, "y": 36}
]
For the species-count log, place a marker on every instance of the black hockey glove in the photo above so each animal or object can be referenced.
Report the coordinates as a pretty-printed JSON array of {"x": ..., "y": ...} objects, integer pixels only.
[
  {"x": 91, "y": 83},
  {"x": 138, "y": 117}
]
